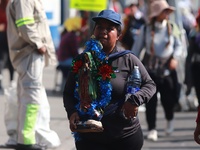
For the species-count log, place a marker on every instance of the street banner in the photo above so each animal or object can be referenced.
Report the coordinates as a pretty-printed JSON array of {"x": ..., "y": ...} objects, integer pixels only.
[{"x": 89, "y": 5}]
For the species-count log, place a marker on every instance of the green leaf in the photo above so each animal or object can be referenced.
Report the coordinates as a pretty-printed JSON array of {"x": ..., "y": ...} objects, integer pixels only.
[{"x": 113, "y": 75}]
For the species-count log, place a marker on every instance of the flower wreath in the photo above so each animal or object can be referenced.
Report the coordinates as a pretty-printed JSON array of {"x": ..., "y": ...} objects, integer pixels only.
[{"x": 102, "y": 75}]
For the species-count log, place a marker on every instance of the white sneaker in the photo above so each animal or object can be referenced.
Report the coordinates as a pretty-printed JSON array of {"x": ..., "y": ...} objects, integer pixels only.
[
  {"x": 142, "y": 108},
  {"x": 152, "y": 135},
  {"x": 13, "y": 84},
  {"x": 170, "y": 127}
]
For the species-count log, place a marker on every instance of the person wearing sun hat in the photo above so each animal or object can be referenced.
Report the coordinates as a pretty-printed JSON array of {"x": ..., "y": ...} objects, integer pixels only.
[
  {"x": 95, "y": 92},
  {"x": 158, "y": 6},
  {"x": 162, "y": 44}
]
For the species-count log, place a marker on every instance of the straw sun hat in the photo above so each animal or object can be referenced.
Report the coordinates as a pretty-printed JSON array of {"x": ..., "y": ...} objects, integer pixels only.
[{"x": 157, "y": 6}]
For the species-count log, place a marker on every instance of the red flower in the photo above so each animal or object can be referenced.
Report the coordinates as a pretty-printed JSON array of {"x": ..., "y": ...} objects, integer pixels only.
[
  {"x": 77, "y": 65},
  {"x": 105, "y": 71}
]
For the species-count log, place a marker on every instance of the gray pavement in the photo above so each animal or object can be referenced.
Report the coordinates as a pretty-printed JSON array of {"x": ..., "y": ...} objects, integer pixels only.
[{"x": 181, "y": 139}]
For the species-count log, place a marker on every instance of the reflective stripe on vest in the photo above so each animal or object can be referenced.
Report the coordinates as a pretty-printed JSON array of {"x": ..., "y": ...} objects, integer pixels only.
[{"x": 25, "y": 21}]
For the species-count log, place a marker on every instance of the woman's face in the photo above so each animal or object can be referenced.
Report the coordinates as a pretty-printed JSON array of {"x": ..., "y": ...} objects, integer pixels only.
[
  {"x": 163, "y": 15},
  {"x": 106, "y": 32}
]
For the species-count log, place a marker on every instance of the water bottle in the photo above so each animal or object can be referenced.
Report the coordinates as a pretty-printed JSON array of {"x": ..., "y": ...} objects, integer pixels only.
[
  {"x": 133, "y": 85},
  {"x": 134, "y": 81}
]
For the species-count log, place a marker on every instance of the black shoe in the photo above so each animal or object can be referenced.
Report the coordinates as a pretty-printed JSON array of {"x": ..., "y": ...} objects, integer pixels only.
[
  {"x": 177, "y": 108},
  {"x": 30, "y": 147},
  {"x": 9, "y": 146}
]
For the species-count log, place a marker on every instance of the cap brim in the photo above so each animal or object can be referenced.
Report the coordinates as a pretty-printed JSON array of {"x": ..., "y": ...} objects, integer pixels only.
[{"x": 111, "y": 20}]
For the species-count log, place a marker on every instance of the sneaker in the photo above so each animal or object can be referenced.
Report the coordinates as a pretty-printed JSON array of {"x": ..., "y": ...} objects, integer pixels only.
[
  {"x": 152, "y": 135},
  {"x": 31, "y": 147},
  {"x": 170, "y": 127},
  {"x": 142, "y": 108},
  {"x": 13, "y": 84}
]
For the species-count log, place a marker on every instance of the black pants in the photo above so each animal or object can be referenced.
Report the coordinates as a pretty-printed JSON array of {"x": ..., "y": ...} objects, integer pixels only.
[
  {"x": 4, "y": 55},
  {"x": 169, "y": 94},
  {"x": 133, "y": 142},
  {"x": 196, "y": 79},
  {"x": 5, "y": 63}
]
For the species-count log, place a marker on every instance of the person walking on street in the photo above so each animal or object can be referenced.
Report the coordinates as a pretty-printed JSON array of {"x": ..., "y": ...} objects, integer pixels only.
[
  {"x": 95, "y": 96},
  {"x": 162, "y": 45},
  {"x": 68, "y": 46},
  {"x": 192, "y": 64},
  {"x": 132, "y": 23},
  {"x": 31, "y": 48},
  {"x": 192, "y": 72}
]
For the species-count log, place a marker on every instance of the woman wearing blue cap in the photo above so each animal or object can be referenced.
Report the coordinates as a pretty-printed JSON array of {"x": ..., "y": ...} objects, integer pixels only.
[{"x": 102, "y": 114}]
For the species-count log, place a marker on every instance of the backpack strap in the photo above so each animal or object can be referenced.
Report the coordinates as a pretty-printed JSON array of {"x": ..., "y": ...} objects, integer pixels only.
[
  {"x": 175, "y": 29},
  {"x": 116, "y": 55},
  {"x": 113, "y": 107}
]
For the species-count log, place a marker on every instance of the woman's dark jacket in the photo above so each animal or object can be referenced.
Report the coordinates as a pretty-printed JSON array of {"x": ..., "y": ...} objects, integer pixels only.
[{"x": 115, "y": 125}]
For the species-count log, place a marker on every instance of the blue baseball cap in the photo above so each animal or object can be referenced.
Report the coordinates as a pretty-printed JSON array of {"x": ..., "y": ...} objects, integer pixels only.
[{"x": 109, "y": 15}]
